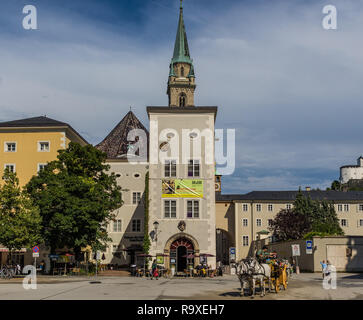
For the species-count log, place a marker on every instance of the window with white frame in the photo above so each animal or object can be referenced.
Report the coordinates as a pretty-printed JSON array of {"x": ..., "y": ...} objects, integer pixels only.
[
  {"x": 344, "y": 222},
  {"x": 258, "y": 222},
  {"x": 258, "y": 207},
  {"x": 193, "y": 209},
  {"x": 170, "y": 168},
  {"x": 117, "y": 226},
  {"x": 288, "y": 206},
  {"x": 10, "y": 147},
  {"x": 41, "y": 166},
  {"x": 193, "y": 168},
  {"x": 270, "y": 207},
  {"x": 245, "y": 241},
  {"x": 360, "y": 207},
  {"x": 43, "y": 146},
  {"x": 10, "y": 166},
  {"x": 346, "y": 207},
  {"x": 136, "y": 197},
  {"x": 245, "y": 207},
  {"x": 340, "y": 207},
  {"x": 270, "y": 222},
  {"x": 170, "y": 208},
  {"x": 245, "y": 222},
  {"x": 136, "y": 225}
]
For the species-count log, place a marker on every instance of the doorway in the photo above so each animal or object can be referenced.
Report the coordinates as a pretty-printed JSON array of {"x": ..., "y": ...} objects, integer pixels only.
[{"x": 182, "y": 261}]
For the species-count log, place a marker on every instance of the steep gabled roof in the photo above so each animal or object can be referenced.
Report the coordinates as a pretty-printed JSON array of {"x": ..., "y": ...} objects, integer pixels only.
[{"x": 116, "y": 145}]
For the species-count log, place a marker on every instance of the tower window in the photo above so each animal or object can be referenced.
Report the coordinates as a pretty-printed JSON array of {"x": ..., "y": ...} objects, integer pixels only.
[
  {"x": 182, "y": 100},
  {"x": 182, "y": 71}
]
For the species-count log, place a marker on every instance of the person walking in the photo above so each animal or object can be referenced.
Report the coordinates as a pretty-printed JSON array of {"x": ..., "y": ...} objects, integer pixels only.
[
  {"x": 153, "y": 269},
  {"x": 323, "y": 268}
]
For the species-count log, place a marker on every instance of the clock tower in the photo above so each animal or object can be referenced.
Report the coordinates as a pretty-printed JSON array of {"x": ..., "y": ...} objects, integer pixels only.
[{"x": 181, "y": 83}]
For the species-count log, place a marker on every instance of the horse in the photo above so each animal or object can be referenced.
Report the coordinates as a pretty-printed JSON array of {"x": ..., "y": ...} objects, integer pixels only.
[
  {"x": 243, "y": 275},
  {"x": 258, "y": 272}
]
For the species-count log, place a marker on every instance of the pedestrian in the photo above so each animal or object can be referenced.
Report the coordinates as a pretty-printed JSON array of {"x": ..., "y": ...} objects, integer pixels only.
[
  {"x": 323, "y": 268},
  {"x": 153, "y": 268}
]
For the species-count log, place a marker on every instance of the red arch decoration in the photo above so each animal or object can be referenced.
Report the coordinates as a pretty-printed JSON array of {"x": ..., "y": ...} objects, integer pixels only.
[{"x": 182, "y": 242}]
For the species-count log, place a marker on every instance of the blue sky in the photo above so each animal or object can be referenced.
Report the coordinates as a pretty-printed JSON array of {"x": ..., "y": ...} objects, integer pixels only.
[{"x": 292, "y": 90}]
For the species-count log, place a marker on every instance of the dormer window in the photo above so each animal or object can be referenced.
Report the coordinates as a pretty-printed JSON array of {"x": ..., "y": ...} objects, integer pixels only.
[{"x": 182, "y": 100}]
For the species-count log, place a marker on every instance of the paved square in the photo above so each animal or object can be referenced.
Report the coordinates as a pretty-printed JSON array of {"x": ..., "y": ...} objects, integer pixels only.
[{"x": 303, "y": 286}]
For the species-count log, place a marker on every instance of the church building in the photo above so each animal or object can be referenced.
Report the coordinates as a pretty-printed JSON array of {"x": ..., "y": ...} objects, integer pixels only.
[{"x": 181, "y": 180}]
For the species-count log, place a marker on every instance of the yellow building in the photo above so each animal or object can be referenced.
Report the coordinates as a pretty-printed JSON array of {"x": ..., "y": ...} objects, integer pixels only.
[{"x": 29, "y": 144}]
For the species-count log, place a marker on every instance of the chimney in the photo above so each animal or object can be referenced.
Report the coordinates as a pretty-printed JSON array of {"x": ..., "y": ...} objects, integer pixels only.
[{"x": 307, "y": 188}]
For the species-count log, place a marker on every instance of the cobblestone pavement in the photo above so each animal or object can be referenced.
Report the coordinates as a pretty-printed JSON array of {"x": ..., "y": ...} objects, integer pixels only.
[{"x": 303, "y": 286}]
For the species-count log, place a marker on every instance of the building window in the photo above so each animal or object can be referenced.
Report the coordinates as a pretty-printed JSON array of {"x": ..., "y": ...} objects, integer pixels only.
[
  {"x": 258, "y": 207},
  {"x": 360, "y": 223},
  {"x": 136, "y": 225},
  {"x": 170, "y": 168},
  {"x": 170, "y": 208},
  {"x": 340, "y": 207},
  {"x": 182, "y": 100},
  {"x": 288, "y": 206},
  {"x": 360, "y": 207},
  {"x": 245, "y": 222},
  {"x": 270, "y": 207},
  {"x": 344, "y": 222},
  {"x": 270, "y": 222},
  {"x": 10, "y": 147},
  {"x": 136, "y": 197},
  {"x": 114, "y": 248},
  {"x": 11, "y": 167},
  {"x": 182, "y": 71},
  {"x": 245, "y": 241},
  {"x": 245, "y": 207},
  {"x": 346, "y": 207},
  {"x": 193, "y": 168},
  {"x": 117, "y": 226},
  {"x": 193, "y": 209},
  {"x": 43, "y": 146},
  {"x": 41, "y": 166},
  {"x": 258, "y": 222}
]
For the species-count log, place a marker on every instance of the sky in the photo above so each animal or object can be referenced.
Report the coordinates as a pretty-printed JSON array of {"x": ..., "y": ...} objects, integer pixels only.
[{"x": 290, "y": 88}]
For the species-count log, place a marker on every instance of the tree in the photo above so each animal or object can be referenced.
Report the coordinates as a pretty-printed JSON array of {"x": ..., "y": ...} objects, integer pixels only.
[
  {"x": 281, "y": 225},
  {"x": 146, "y": 242},
  {"x": 307, "y": 216},
  {"x": 336, "y": 186},
  {"x": 76, "y": 196},
  {"x": 20, "y": 221}
]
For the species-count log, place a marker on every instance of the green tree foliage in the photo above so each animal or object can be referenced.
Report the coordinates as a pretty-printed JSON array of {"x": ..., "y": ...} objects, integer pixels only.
[
  {"x": 146, "y": 243},
  {"x": 76, "y": 196},
  {"x": 307, "y": 216},
  {"x": 281, "y": 225},
  {"x": 20, "y": 221}
]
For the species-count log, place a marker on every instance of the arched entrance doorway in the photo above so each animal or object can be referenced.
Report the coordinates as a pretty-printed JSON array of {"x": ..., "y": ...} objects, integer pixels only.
[{"x": 179, "y": 249}]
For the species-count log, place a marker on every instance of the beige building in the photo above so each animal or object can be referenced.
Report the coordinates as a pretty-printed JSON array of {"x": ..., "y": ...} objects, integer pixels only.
[{"x": 254, "y": 211}]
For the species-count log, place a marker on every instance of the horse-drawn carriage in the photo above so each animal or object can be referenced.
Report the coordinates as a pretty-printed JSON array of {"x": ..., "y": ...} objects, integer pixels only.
[
  {"x": 274, "y": 273},
  {"x": 279, "y": 277}
]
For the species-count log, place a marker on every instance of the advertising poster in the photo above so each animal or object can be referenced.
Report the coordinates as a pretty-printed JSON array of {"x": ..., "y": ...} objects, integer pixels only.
[{"x": 182, "y": 188}]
